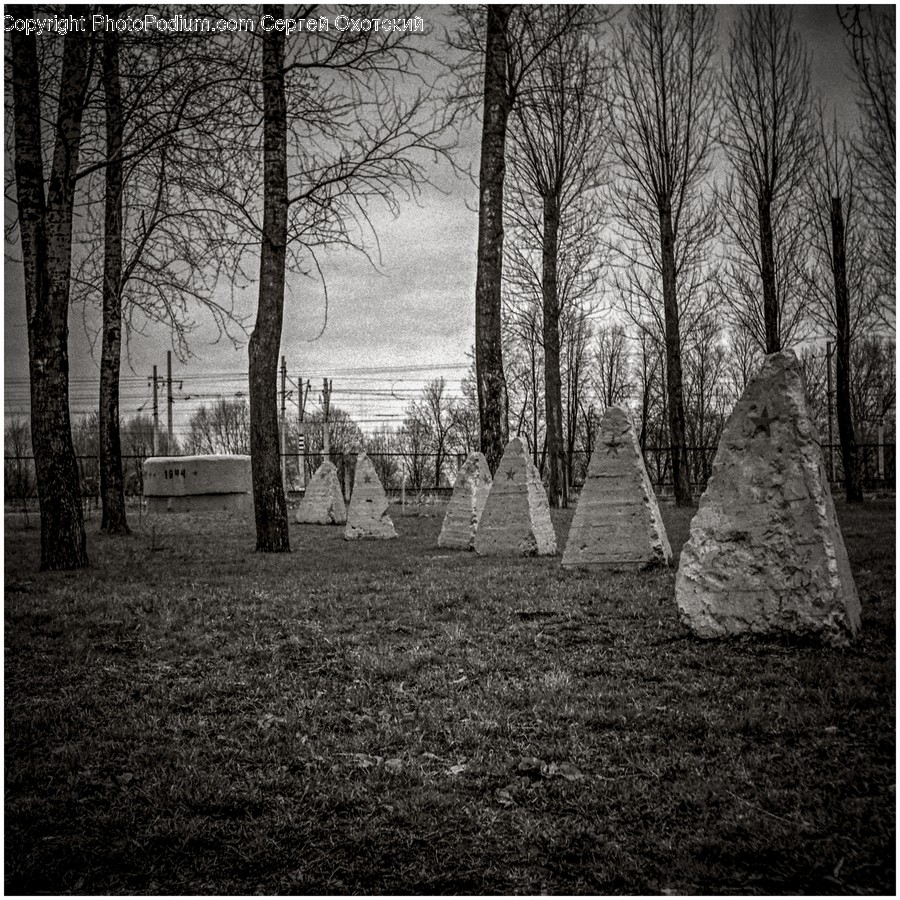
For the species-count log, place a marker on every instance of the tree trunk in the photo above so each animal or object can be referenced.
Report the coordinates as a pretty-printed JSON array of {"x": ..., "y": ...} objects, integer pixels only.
[
  {"x": 46, "y": 231},
  {"x": 112, "y": 482},
  {"x": 680, "y": 476},
  {"x": 572, "y": 422},
  {"x": 557, "y": 493},
  {"x": 852, "y": 484},
  {"x": 534, "y": 403},
  {"x": 268, "y": 492},
  {"x": 767, "y": 257},
  {"x": 492, "y": 395},
  {"x": 438, "y": 465}
]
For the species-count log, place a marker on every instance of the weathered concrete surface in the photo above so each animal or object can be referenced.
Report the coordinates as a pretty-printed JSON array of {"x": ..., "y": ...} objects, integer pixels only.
[
  {"x": 617, "y": 521},
  {"x": 323, "y": 502},
  {"x": 242, "y": 504},
  {"x": 367, "y": 515},
  {"x": 180, "y": 476},
  {"x": 473, "y": 482},
  {"x": 214, "y": 483},
  {"x": 516, "y": 517},
  {"x": 765, "y": 552}
]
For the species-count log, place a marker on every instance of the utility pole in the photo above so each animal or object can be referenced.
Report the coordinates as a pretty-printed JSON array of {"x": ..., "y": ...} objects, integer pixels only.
[
  {"x": 829, "y": 347},
  {"x": 155, "y": 412},
  {"x": 302, "y": 392},
  {"x": 169, "y": 386},
  {"x": 326, "y": 401},
  {"x": 282, "y": 430}
]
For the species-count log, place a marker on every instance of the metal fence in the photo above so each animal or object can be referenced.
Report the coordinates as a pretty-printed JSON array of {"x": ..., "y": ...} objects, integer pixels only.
[{"x": 877, "y": 466}]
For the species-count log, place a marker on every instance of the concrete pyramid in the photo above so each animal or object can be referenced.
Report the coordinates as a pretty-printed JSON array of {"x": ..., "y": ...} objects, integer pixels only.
[
  {"x": 765, "y": 552},
  {"x": 617, "y": 520},
  {"x": 323, "y": 502},
  {"x": 367, "y": 516},
  {"x": 516, "y": 517},
  {"x": 466, "y": 505}
]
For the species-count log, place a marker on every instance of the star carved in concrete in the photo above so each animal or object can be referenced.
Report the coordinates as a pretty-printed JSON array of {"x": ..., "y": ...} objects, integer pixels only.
[
  {"x": 510, "y": 474},
  {"x": 367, "y": 479},
  {"x": 613, "y": 446},
  {"x": 762, "y": 421}
]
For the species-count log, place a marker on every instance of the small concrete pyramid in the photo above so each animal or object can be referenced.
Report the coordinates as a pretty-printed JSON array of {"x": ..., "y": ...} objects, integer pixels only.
[
  {"x": 466, "y": 505},
  {"x": 765, "y": 552},
  {"x": 617, "y": 521},
  {"x": 516, "y": 517},
  {"x": 323, "y": 502},
  {"x": 367, "y": 516}
]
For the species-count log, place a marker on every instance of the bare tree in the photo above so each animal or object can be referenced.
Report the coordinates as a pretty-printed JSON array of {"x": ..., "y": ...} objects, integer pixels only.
[
  {"x": 649, "y": 362},
  {"x": 556, "y": 162},
  {"x": 706, "y": 399},
  {"x": 870, "y": 33},
  {"x": 576, "y": 334},
  {"x": 45, "y": 224},
  {"x": 112, "y": 481},
  {"x": 839, "y": 280},
  {"x": 414, "y": 442},
  {"x": 158, "y": 254},
  {"x": 743, "y": 361},
  {"x": 874, "y": 387},
  {"x": 223, "y": 427},
  {"x": 663, "y": 137},
  {"x": 383, "y": 447},
  {"x": 467, "y": 432},
  {"x": 442, "y": 415},
  {"x": 504, "y": 45},
  {"x": 348, "y": 125},
  {"x": 767, "y": 139},
  {"x": 18, "y": 471},
  {"x": 269, "y": 503},
  {"x": 429, "y": 431},
  {"x": 345, "y": 438},
  {"x": 612, "y": 365},
  {"x": 523, "y": 346},
  {"x": 137, "y": 445},
  {"x": 814, "y": 364}
]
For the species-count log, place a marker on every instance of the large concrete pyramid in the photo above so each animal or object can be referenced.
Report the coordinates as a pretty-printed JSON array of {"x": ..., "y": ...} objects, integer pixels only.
[
  {"x": 516, "y": 517},
  {"x": 765, "y": 552},
  {"x": 617, "y": 520},
  {"x": 323, "y": 502},
  {"x": 466, "y": 505},
  {"x": 367, "y": 516}
]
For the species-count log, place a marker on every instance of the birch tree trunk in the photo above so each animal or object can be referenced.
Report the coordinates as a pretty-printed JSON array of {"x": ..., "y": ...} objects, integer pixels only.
[
  {"x": 46, "y": 231},
  {"x": 268, "y": 492}
]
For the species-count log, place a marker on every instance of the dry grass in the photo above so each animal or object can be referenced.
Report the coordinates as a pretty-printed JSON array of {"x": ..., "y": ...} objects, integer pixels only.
[{"x": 188, "y": 716}]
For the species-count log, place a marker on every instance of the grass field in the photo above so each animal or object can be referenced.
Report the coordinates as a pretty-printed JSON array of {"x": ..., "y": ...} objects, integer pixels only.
[{"x": 188, "y": 716}]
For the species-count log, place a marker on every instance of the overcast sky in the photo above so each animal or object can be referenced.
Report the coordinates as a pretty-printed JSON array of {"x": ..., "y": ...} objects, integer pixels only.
[{"x": 388, "y": 331}]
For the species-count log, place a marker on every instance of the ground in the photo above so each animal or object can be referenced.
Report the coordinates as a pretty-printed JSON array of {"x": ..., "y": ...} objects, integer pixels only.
[{"x": 188, "y": 716}]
